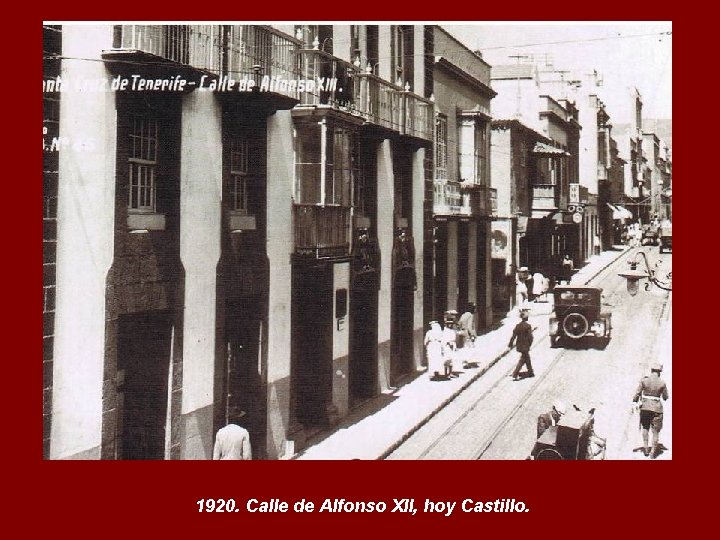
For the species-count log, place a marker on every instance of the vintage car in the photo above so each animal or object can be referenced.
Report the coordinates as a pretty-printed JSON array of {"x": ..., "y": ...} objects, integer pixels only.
[
  {"x": 649, "y": 234},
  {"x": 578, "y": 313},
  {"x": 665, "y": 236},
  {"x": 572, "y": 438}
]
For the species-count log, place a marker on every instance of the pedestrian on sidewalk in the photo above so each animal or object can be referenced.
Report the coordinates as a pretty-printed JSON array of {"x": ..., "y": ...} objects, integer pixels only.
[
  {"x": 521, "y": 290},
  {"x": 466, "y": 326},
  {"x": 538, "y": 286},
  {"x": 567, "y": 269},
  {"x": 449, "y": 343},
  {"x": 434, "y": 349},
  {"x": 597, "y": 244},
  {"x": 522, "y": 338},
  {"x": 650, "y": 393},
  {"x": 232, "y": 441}
]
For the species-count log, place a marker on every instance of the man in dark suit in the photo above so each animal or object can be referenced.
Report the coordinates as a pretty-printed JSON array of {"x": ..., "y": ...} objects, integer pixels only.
[
  {"x": 522, "y": 338},
  {"x": 652, "y": 389}
]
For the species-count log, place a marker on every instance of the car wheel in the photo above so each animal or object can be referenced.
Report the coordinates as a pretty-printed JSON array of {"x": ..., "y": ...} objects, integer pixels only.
[
  {"x": 575, "y": 325},
  {"x": 547, "y": 454}
]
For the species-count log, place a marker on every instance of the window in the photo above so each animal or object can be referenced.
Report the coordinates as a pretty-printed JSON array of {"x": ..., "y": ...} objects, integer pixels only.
[
  {"x": 343, "y": 166},
  {"x": 481, "y": 149},
  {"x": 325, "y": 177},
  {"x": 441, "y": 152},
  {"x": 473, "y": 149},
  {"x": 239, "y": 170},
  {"x": 402, "y": 55},
  {"x": 143, "y": 163}
]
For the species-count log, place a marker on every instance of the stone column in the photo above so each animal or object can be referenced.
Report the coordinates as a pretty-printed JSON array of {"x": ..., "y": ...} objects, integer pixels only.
[
  {"x": 418, "y": 233},
  {"x": 386, "y": 233},
  {"x": 280, "y": 174},
  {"x": 452, "y": 264},
  {"x": 200, "y": 222}
]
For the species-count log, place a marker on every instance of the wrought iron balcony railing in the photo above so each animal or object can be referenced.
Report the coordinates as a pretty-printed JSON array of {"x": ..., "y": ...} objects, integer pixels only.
[
  {"x": 233, "y": 50},
  {"x": 321, "y": 231},
  {"x": 248, "y": 46},
  {"x": 328, "y": 80},
  {"x": 418, "y": 116},
  {"x": 378, "y": 101},
  {"x": 193, "y": 45}
]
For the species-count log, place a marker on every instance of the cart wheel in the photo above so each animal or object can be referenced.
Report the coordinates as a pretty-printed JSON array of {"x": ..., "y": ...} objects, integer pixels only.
[{"x": 548, "y": 453}]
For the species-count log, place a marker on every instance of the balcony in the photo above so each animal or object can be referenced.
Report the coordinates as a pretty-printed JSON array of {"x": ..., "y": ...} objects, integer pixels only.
[
  {"x": 321, "y": 231},
  {"x": 378, "y": 101},
  {"x": 418, "y": 116},
  {"x": 545, "y": 197},
  {"x": 198, "y": 46},
  {"x": 336, "y": 83},
  {"x": 328, "y": 80},
  {"x": 240, "y": 52},
  {"x": 449, "y": 200},
  {"x": 483, "y": 201},
  {"x": 248, "y": 46}
]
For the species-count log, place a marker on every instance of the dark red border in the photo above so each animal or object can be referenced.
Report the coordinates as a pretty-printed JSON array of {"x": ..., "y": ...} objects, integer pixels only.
[{"x": 105, "y": 498}]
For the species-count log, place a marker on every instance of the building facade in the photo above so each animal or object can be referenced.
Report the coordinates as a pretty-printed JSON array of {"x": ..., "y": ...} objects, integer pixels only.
[
  {"x": 551, "y": 231},
  {"x": 463, "y": 200},
  {"x": 239, "y": 215}
]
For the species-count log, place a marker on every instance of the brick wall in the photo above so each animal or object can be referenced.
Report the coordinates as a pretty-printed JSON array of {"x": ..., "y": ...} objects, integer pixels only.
[{"x": 51, "y": 68}]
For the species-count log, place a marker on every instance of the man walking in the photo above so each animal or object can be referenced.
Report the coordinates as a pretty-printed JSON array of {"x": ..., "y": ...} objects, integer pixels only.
[
  {"x": 466, "y": 332},
  {"x": 232, "y": 441},
  {"x": 651, "y": 391},
  {"x": 522, "y": 338}
]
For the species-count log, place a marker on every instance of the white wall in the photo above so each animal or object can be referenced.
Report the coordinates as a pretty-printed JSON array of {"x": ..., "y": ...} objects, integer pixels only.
[{"x": 86, "y": 213}]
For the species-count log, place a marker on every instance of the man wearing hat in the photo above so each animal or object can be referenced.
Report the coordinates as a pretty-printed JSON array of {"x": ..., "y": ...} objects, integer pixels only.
[
  {"x": 550, "y": 418},
  {"x": 232, "y": 441},
  {"x": 522, "y": 337},
  {"x": 651, "y": 391}
]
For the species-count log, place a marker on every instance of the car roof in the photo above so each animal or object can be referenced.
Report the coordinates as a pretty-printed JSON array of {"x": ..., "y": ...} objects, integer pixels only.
[{"x": 577, "y": 288}]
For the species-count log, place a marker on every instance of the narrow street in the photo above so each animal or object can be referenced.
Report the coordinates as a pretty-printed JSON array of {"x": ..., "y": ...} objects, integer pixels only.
[{"x": 495, "y": 417}]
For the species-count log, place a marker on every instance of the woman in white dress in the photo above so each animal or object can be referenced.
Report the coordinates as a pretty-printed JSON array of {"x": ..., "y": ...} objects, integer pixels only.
[{"x": 434, "y": 349}]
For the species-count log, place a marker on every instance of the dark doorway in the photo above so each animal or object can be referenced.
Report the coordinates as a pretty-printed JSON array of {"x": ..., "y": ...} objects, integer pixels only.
[
  {"x": 463, "y": 256},
  {"x": 143, "y": 361},
  {"x": 401, "y": 362},
  {"x": 363, "y": 343},
  {"x": 441, "y": 270},
  {"x": 244, "y": 388},
  {"x": 312, "y": 312}
]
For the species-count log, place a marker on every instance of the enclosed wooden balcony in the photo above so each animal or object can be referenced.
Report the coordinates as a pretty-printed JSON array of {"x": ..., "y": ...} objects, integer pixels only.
[
  {"x": 545, "y": 196},
  {"x": 321, "y": 231},
  {"x": 448, "y": 200},
  {"x": 483, "y": 201}
]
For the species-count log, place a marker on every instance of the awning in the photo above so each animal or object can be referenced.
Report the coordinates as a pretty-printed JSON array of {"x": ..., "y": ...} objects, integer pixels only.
[
  {"x": 620, "y": 212},
  {"x": 548, "y": 150}
]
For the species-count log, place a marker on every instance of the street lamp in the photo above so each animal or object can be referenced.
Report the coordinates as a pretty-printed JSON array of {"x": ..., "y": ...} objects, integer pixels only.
[{"x": 634, "y": 276}]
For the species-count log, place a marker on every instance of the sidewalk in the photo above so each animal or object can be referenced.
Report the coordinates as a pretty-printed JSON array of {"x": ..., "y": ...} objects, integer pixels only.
[{"x": 375, "y": 429}]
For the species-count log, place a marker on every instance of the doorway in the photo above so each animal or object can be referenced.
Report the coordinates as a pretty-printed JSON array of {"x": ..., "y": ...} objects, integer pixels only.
[
  {"x": 243, "y": 377},
  {"x": 142, "y": 374},
  {"x": 402, "y": 319},
  {"x": 363, "y": 343},
  {"x": 312, "y": 319}
]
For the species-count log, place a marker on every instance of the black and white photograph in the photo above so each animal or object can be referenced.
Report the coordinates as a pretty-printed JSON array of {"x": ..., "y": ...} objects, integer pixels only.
[{"x": 287, "y": 240}]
